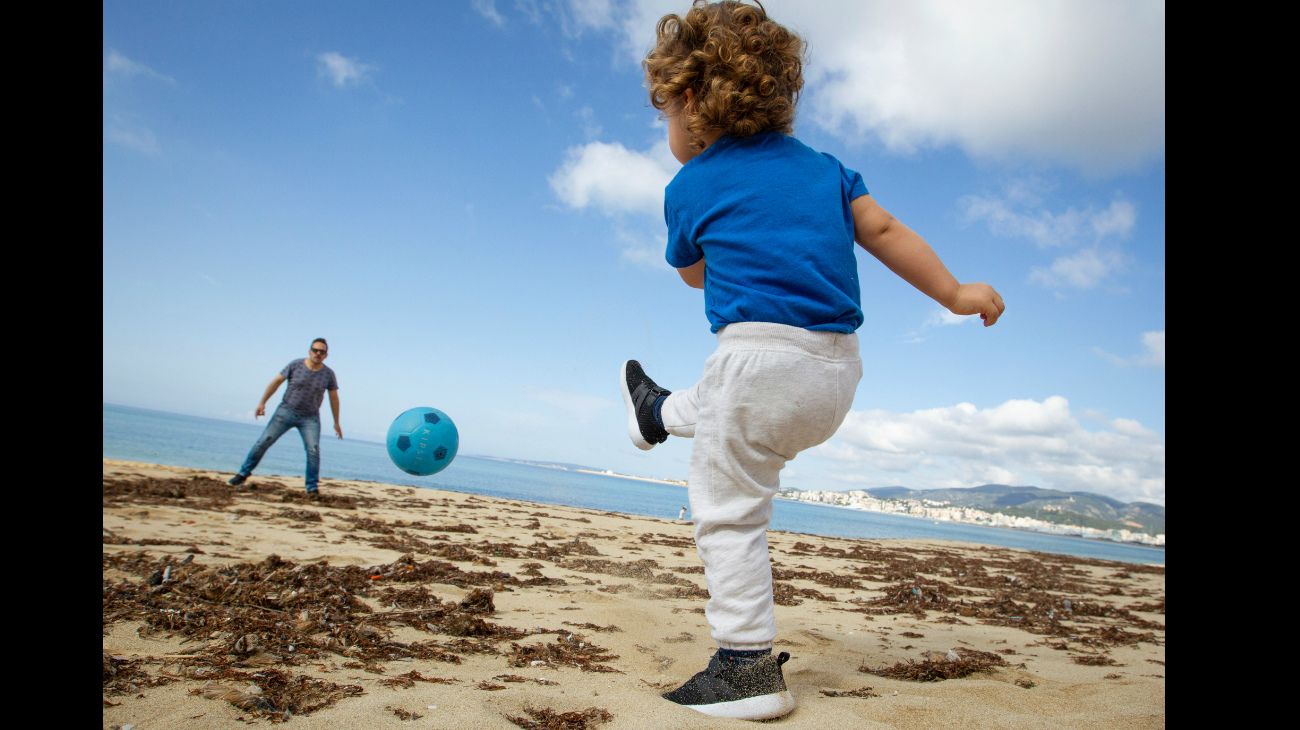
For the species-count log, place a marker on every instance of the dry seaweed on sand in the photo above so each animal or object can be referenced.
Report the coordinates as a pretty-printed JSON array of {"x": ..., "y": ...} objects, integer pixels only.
[
  {"x": 1026, "y": 683},
  {"x": 1095, "y": 660},
  {"x": 784, "y": 594},
  {"x": 478, "y": 600},
  {"x": 124, "y": 676},
  {"x": 863, "y": 692},
  {"x": 403, "y": 714},
  {"x": 275, "y": 694},
  {"x": 196, "y": 492},
  {"x": 299, "y": 515},
  {"x": 548, "y": 719},
  {"x": 659, "y": 538},
  {"x": 937, "y": 668},
  {"x": 828, "y": 579},
  {"x": 461, "y": 527},
  {"x": 567, "y": 650},
  {"x": 278, "y": 611},
  {"x": 518, "y": 678},
  {"x": 592, "y": 627},
  {"x": 404, "y": 681},
  {"x": 489, "y": 686}
]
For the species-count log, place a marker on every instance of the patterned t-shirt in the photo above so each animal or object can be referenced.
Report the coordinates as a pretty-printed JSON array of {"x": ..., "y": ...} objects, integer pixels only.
[{"x": 306, "y": 388}]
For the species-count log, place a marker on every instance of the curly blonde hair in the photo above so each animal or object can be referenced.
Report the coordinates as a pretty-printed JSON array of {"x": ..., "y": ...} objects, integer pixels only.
[{"x": 745, "y": 69}]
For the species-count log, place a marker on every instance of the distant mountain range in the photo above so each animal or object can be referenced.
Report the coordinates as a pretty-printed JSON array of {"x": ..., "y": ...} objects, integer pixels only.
[{"x": 1050, "y": 505}]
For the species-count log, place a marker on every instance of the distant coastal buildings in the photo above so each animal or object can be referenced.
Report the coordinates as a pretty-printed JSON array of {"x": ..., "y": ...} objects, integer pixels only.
[
  {"x": 936, "y": 510},
  {"x": 617, "y": 475}
]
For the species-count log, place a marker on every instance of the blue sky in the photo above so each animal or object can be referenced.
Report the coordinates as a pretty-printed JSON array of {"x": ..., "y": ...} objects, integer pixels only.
[{"x": 465, "y": 198}]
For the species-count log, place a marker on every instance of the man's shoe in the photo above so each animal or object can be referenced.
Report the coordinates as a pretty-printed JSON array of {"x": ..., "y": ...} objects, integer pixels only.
[
  {"x": 639, "y": 395},
  {"x": 237, "y": 480},
  {"x": 313, "y": 495},
  {"x": 742, "y": 690}
]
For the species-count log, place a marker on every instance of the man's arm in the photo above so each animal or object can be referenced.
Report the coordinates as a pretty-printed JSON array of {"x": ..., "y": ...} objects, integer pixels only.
[
  {"x": 693, "y": 275},
  {"x": 908, "y": 255},
  {"x": 270, "y": 391},
  {"x": 334, "y": 406}
]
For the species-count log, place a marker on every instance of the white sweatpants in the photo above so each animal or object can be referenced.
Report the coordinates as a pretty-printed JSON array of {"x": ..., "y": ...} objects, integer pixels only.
[{"x": 768, "y": 392}]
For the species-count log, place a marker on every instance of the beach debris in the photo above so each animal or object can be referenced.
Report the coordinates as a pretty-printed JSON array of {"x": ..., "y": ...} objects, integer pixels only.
[
  {"x": 479, "y": 600},
  {"x": 1113, "y": 675},
  {"x": 275, "y": 694},
  {"x": 863, "y": 692},
  {"x": 593, "y": 627},
  {"x": 1095, "y": 660},
  {"x": 936, "y": 667},
  {"x": 548, "y": 719},
  {"x": 403, "y": 714},
  {"x": 859, "y": 692},
  {"x": 408, "y": 680},
  {"x": 489, "y": 686},
  {"x": 567, "y": 650},
  {"x": 784, "y": 594},
  {"x": 1026, "y": 683},
  {"x": 519, "y": 678},
  {"x": 127, "y": 676}
]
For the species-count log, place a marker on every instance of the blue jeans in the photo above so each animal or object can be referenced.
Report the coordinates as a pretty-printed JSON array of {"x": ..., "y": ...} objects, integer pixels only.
[{"x": 281, "y": 421}]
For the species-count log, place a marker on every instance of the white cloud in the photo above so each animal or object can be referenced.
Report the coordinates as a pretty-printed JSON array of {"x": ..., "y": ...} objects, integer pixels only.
[
  {"x": 531, "y": 9},
  {"x": 1083, "y": 270},
  {"x": 1020, "y": 442},
  {"x": 614, "y": 179},
  {"x": 592, "y": 13},
  {"x": 119, "y": 65},
  {"x": 488, "y": 9},
  {"x": 341, "y": 70},
  {"x": 1153, "y": 352},
  {"x": 1018, "y": 213},
  {"x": 643, "y": 247},
  {"x": 939, "y": 317},
  {"x": 1154, "y": 342},
  {"x": 133, "y": 137},
  {"x": 1074, "y": 83},
  {"x": 591, "y": 128}
]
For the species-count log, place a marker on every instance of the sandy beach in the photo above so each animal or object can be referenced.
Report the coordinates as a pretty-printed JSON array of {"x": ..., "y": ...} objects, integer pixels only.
[{"x": 392, "y": 606}]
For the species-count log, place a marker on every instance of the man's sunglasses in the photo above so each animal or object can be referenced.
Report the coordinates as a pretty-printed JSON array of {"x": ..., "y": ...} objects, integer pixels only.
[{"x": 319, "y": 351}]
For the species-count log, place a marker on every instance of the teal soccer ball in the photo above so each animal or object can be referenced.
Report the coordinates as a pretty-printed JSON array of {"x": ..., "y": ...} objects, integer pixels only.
[{"x": 422, "y": 441}]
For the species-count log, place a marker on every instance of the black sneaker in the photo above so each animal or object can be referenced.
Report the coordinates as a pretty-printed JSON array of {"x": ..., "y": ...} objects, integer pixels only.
[
  {"x": 639, "y": 395},
  {"x": 742, "y": 690},
  {"x": 237, "y": 480}
]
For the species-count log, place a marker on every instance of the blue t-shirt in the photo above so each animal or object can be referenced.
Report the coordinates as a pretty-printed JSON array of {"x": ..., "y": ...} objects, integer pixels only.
[{"x": 771, "y": 217}]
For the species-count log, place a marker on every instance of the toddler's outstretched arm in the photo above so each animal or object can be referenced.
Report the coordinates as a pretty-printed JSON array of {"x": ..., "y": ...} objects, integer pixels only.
[{"x": 908, "y": 255}]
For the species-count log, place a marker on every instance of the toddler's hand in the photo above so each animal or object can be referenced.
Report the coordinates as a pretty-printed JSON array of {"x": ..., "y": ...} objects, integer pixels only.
[{"x": 978, "y": 299}]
